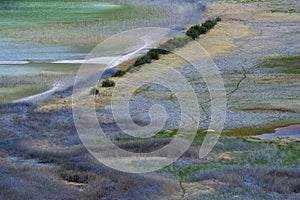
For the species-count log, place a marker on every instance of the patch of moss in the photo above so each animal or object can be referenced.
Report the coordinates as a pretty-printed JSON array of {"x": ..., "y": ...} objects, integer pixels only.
[
  {"x": 284, "y": 64},
  {"x": 289, "y": 11}
]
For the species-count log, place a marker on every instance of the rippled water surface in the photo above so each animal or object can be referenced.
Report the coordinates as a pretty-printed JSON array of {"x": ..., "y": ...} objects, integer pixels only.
[{"x": 293, "y": 131}]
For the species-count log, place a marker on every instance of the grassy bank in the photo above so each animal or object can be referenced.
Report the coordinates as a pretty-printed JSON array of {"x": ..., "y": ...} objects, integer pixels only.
[
  {"x": 18, "y": 92},
  {"x": 240, "y": 168},
  {"x": 283, "y": 64},
  {"x": 21, "y": 81}
]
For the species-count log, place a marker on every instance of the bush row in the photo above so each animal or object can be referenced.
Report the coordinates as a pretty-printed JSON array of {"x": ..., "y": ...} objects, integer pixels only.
[
  {"x": 195, "y": 31},
  {"x": 154, "y": 54},
  {"x": 177, "y": 42}
]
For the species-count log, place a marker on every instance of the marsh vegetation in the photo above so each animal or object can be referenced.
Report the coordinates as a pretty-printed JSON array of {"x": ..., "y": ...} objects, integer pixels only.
[{"x": 41, "y": 154}]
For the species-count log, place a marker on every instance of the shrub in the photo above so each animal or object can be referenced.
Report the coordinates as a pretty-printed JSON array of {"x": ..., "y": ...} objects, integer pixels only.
[
  {"x": 192, "y": 34},
  {"x": 108, "y": 83},
  {"x": 202, "y": 30},
  {"x": 140, "y": 61},
  {"x": 119, "y": 73},
  {"x": 153, "y": 54},
  {"x": 198, "y": 29},
  {"x": 209, "y": 24},
  {"x": 163, "y": 51},
  {"x": 76, "y": 176}
]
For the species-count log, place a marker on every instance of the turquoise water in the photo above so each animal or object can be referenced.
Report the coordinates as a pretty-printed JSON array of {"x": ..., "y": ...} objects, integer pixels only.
[
  {"x": 78, "y": 24},
  {"x": 25, "y": 13},
  {"x": 51, "y": 30},
  {"x": 33, "y": 34}
]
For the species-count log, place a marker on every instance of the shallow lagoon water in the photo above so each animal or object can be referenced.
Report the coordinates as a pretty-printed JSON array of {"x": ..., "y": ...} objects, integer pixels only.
[
  {"x": 27, "y": 58},
  {"x": 12, "y": 52},
  {"x": 34, "y": 34},
  {"x": 24, "y": 13},
  {"x": 289, "y": 131}
]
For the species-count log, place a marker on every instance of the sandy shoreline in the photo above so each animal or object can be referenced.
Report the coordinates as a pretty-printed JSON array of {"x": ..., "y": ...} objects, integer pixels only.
[{"x": 111, "y": 62}]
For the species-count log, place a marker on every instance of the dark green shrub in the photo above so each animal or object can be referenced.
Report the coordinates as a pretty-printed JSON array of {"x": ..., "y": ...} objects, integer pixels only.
[
  {"x": 202, "y": 30},
  {"x": 153, "y": 54},
  {"x": 163, "y": 51},
  {"x": 209, "y": 24},
  {"x": 140, "y": 61},
  {"x": 197, "y": 30},
  {"x": 119, "y": 73},
  {"x": 108, "y": 83},
  {"x": 192, "y": 34}
]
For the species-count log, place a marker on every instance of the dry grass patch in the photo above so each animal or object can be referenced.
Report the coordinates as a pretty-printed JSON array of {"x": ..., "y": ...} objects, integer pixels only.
[
  {"x": 222, "y": 37},
  {"x": 252, "y": 12}
]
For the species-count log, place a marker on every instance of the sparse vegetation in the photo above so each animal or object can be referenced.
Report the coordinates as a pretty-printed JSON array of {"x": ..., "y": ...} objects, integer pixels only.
[
  {"x": 237, "y": 168},
  {"x": 289, "y": 11},
  {"x": 119, "y": 73},
  {"x": 173, "y": 43},
  {"x": 284, "y": 64}
]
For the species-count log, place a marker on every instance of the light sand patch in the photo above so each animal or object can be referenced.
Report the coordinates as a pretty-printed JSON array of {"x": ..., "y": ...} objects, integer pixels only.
[
  {"x": 222, "y": 38},
  {"x": 80, "y": 186},
  {"x": 224, "y": 156},
  {"x": 197, "y": 189}
]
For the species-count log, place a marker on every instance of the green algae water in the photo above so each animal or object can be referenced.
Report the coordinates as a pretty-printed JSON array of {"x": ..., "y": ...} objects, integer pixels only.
[
  {"x": 34, "y": 34},
  {"x": 79, "y": 24},
  {"x": 24, "y": 13}
]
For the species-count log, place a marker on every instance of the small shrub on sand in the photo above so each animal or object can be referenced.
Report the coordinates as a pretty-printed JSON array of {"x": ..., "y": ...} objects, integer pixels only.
[
  {"x": 141, "y": 61},
  {"x": 119, "y": 73},
  {"x": 108, "y": 83}
]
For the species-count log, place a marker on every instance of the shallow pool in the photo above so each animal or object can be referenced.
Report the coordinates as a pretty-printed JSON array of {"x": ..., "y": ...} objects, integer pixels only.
[{"x": 289, "y": 131}]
